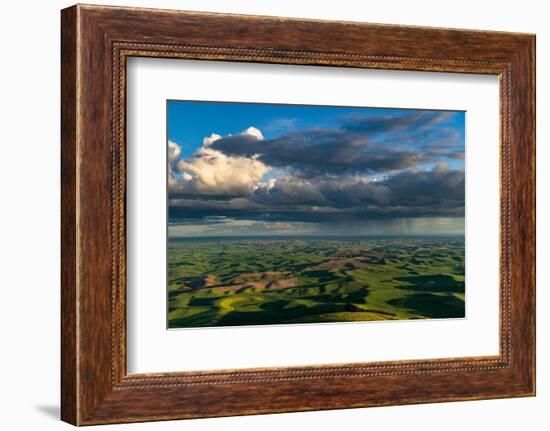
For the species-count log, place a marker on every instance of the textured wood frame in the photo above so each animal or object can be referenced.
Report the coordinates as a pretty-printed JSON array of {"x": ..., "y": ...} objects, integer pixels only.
[{"x": 95, "y": 42}]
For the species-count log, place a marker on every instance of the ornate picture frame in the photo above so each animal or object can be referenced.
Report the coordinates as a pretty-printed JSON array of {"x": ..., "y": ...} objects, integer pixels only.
[{"x": 96, "y": 41}]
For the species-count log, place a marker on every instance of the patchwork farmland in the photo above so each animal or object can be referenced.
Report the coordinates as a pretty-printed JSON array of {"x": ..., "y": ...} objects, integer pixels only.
[{"x": 259, "y": 281}]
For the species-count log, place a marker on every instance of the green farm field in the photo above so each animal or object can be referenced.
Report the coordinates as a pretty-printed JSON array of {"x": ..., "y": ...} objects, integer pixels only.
[{"x": 260, "y": 281}]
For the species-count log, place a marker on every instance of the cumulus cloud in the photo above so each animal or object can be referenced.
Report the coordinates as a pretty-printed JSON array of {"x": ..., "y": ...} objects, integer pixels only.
[
  {"x": 210, "y": 139},
  {"x": 252, "y": 131},
  {"x": 211, "y": 172},
  {"x": 174, "y": 151}
]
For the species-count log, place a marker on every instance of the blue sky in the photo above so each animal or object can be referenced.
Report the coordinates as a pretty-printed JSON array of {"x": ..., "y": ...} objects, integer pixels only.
[
  {"x": 189, "y": 122},
  {"x": 299, "y": 169}
]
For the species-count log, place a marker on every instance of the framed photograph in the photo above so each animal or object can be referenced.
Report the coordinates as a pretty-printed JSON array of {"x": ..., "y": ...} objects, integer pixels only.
[
  {"x": 337, "y": 214},
  {"x": 265, "y": 215}
]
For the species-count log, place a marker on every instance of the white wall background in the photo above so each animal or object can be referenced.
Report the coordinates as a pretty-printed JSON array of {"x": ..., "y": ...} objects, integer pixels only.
[{"x": 29, "y": 215}]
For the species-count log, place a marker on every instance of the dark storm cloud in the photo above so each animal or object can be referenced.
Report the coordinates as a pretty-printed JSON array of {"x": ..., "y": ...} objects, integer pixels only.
[
  {"x": 206, "y": 220},
  {"x": 363, "y": 145},
  {"x": 439, "y": 191},
  {"x": 193, "y": 208},
  {"x": 410, "y": 193},
  {"x": 179, "y": 192},
  {"x": 316, "y": 152}
]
